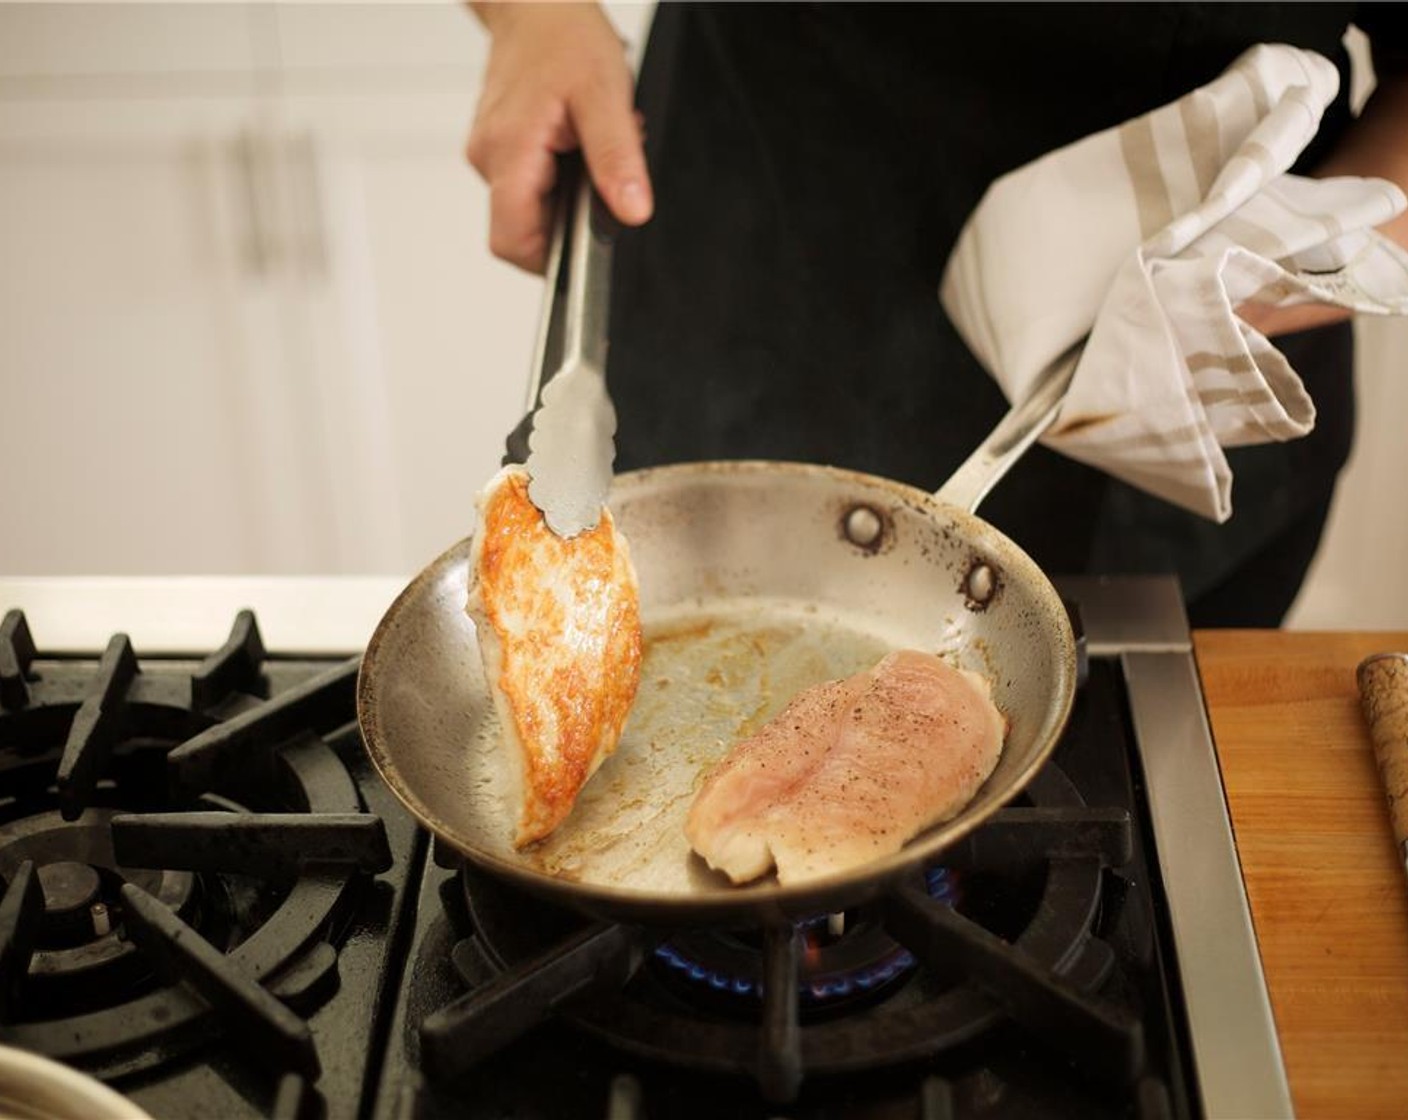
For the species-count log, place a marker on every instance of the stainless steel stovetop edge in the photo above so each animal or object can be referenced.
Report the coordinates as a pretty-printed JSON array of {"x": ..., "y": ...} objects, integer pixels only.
[{"x": 1236, "y": 1052}]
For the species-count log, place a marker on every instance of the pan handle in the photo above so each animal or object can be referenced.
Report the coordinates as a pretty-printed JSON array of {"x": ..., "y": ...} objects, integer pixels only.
[{"x": 1018, "y": 430}]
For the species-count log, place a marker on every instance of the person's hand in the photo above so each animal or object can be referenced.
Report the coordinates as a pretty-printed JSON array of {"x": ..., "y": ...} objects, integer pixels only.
[
  {"x": 1272, "y": 321},
  {"x": 1376, "y": 145},
  {"x": 557, "y": 80}
]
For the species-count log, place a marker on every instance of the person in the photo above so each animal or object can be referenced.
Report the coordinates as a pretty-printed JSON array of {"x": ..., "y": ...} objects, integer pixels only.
[{"x": 799, "y": 174}]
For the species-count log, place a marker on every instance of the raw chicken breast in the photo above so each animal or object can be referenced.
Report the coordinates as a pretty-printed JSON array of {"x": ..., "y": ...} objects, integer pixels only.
[
  {"x": 559, "y": 631},
  {"x": 849, "y": 771}
]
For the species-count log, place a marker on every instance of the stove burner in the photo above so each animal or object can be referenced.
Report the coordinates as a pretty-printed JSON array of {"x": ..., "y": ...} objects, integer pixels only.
[
  {"x": 860, "y": 964},
  {"x": 1020, "y": 953},
  {"x": 78, "y": 873},
  {"x": 68, "y": 887},
  {"x": 177, "y": 854}
]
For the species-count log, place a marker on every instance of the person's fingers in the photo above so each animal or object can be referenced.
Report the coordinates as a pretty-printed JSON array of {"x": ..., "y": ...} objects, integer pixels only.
[
  {"x": 557, "y": 80},
  {"x": 605, "y": 123},
  {"x": 518, "y": 207}
]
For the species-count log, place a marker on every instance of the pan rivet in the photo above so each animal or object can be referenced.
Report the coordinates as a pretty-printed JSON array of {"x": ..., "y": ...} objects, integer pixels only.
[
  {"x": 863, "y": 527},
  {"x": 981, "y": 583}
]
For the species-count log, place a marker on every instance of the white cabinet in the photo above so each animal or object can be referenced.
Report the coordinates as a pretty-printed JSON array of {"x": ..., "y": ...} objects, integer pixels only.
[
  {"x": 163, "y": 398},
  {"x": 66, "y": 50},
  {"x": 418, "y": 341},
  {"x": 248, "y": 319},
  {"x": 126, "y": 325}
]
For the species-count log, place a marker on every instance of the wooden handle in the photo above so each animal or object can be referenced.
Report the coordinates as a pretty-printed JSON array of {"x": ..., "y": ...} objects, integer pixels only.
[{"x": 1383, "y": 693}]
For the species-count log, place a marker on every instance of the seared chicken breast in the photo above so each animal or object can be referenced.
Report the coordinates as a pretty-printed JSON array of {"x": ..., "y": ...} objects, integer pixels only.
[
  {"x": 558, "y": 623},
  {"x": 849, "y": 771}
]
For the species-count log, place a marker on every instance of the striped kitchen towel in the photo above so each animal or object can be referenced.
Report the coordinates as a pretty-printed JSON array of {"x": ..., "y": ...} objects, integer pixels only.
[{"x": 1146, "y": 238}]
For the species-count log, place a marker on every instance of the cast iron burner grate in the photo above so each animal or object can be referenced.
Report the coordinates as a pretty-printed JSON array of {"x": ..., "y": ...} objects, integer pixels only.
[
  {"x": 1015, "y": 947},
  {"x": 176, "y": 852}
]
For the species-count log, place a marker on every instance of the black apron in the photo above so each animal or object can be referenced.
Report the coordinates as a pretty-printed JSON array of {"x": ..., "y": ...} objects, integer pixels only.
[{"x": 813, "y": 165}]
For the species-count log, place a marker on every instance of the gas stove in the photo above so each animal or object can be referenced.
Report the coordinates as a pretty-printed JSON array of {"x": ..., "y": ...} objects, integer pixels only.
[{"x": 213, "y": 905}]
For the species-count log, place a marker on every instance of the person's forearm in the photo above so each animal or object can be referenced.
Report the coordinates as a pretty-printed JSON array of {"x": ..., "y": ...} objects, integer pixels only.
[
  {"x": 482, "y": 12},
  {"x": 494, "y": 14},
  {"x": 1377, "y": 146}
]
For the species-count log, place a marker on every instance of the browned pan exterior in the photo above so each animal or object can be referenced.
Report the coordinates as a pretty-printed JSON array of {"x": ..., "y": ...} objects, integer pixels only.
[{"x": 751, "y": 589}]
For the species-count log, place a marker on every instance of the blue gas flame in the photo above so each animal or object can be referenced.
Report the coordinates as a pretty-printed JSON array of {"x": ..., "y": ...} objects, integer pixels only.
[{"x": 943, "y": 886}]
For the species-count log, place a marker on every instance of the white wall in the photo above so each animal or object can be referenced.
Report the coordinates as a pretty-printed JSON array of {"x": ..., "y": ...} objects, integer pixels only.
[
  {"x": 1360, "y": 578},
  {"x": 167, "y": 407}
]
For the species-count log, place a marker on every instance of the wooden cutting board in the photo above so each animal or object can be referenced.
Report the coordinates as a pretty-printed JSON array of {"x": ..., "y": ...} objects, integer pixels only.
[{"x": 1328, "y": 893}]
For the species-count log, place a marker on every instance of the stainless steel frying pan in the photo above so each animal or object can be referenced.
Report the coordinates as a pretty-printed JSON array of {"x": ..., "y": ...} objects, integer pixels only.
[{"x": 757, "y": 579}]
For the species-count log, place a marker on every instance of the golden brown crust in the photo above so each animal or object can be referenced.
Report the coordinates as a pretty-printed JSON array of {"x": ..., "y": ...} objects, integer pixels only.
[{"x": 567, "y": 617}]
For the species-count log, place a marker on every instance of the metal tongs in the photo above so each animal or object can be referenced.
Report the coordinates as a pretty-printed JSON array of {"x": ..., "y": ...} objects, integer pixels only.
[{"x": 567, "y": 440}]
